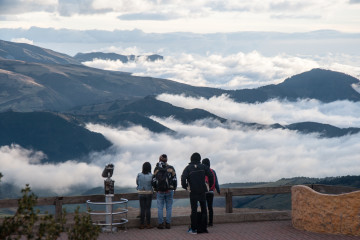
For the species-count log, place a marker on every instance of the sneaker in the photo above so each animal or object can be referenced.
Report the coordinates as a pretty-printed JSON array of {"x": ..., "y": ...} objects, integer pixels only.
[
  {"x": 168, "y": 226},
  {"x": 160, "y": 226},
  {"x": 192, "y": 231}
]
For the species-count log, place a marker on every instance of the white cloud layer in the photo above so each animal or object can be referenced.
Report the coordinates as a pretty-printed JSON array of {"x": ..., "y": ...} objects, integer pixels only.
[
  {"x": 22, "y": 40},
  {"x": 235, "y": 71},
  {"x": 21, "y": 166},
  {"x": 342, "y": 114},
  {"x": 237, "y": 154}
]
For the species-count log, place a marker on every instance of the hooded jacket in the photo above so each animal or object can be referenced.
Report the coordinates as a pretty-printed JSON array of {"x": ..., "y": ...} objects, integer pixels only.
[{"x": 193, "y": 177}]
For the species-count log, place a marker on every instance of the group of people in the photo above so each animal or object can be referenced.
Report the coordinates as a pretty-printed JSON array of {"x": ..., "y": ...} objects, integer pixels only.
[{"x": 197, "y": 178}]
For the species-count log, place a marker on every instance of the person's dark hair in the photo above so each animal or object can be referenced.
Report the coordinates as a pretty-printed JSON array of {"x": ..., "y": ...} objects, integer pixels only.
[
  {"x": 163, "y": 158},
  {"x": 146, "y": 168},
  {"x": 195, "y": 157},
  {"x": 206, "y": 162}
]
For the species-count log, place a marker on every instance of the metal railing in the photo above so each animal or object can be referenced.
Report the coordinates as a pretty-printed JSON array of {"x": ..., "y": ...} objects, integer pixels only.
[
  {"x": 109, "y": 224},
  {"x": 227, "y": 193}
]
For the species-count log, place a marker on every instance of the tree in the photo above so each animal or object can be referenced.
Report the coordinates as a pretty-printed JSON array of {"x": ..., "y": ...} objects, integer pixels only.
[
  {"x": 29, "y": 223},
  {"x": 25, "y": 218}
]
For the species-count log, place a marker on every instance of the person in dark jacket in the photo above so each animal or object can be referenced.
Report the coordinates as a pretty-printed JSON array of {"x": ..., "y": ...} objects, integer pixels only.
[
  {"x": 210, "y": 193},
  {"x": 193, "y": 180}
]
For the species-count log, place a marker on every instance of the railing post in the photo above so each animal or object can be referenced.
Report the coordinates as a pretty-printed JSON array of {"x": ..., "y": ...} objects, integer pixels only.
[
  {"x": 58, "y": 208},
  {"x": 228, "y": 202}
]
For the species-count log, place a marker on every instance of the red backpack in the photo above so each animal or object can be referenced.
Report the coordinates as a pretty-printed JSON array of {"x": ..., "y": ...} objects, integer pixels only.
[{"x": 211, "y": 188}]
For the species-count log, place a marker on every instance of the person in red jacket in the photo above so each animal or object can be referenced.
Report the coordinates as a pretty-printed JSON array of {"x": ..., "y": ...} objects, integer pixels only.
[{"x": 210, "y": 193}]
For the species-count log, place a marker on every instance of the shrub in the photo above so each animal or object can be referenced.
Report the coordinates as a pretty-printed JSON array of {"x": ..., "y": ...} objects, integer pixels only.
[
  {"x": 83, "y": 228},
  {"x": 47, "y": 228},
  {"x": 25, "y": 218}
]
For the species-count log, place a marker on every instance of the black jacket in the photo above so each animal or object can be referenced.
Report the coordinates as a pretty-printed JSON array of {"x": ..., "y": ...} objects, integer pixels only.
[{"x": 194, "y": 176}]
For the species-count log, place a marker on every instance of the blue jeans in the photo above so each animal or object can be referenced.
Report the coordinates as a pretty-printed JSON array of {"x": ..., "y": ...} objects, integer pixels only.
[{"x": 164, "y": 199}]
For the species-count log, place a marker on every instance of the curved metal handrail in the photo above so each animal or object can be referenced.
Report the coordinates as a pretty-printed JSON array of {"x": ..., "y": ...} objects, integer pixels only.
[
  {"x": 123, "y": 200},
  {"x": 121, "y": 211}
]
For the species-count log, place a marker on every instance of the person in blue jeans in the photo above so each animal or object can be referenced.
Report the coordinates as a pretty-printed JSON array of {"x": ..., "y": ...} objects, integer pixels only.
[{"x": 164, "y": 183}]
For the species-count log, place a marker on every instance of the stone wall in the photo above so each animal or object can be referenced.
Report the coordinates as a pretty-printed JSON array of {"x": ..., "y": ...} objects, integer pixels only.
[{"x": 325, "y": 213}]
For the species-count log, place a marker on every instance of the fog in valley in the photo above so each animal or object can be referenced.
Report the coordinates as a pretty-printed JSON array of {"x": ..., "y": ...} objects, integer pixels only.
[
  {"x": 237, "y": 153},
  {"x": 232, "y": 71}
]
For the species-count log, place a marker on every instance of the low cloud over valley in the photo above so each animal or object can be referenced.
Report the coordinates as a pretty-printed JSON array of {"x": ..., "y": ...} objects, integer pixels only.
[
  {"x": 234, "y": 71},
  {"x": 237, "y": 153},
  {"x": 342, "y": 114}
]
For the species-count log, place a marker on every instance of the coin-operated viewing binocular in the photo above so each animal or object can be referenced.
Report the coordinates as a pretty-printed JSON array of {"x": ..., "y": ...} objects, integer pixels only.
[{"x": 108, "y": 182}]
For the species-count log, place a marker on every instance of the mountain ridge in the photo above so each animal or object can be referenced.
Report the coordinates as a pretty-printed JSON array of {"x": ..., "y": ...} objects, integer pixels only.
[
  {"x": 120, "y": 99},
  {"x": 84, "y": 57},
  {"x": 60, "y": 137},
  {"x": 31, "y": 53},
  {"x": 67, "y": 86},
  {"x": 64, "y": 86},
  {"x": 323, "y": 85}
]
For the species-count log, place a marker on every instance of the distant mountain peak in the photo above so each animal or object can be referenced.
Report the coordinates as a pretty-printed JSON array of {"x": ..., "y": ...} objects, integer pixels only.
[
  {"x": 84, "y": 57},
  {"x": 320, "y": 76},
  {"x": 323, "y": 85}
]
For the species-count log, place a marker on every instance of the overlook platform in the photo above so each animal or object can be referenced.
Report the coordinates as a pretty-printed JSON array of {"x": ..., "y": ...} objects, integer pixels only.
[
  {"x": 241, "y": 224},
  {"x": 265, "y": 230},
  {"x": 229, "y": 223}
]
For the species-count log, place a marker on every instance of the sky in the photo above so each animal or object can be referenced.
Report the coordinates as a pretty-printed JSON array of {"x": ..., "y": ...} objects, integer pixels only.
[
  {"x": 214, "y": 43},
  {"x": 198, "y": 16}
]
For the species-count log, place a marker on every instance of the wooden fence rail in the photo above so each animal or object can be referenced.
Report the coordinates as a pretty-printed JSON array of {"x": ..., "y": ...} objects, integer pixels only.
[{"x": 228, "y": 193}]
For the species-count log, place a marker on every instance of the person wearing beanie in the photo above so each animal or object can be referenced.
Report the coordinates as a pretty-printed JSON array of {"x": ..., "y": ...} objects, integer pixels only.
[
  {"x": 164, "y": 183},
  {"x": 193, "y": 180},
  {"x": 210, "y": 193}
]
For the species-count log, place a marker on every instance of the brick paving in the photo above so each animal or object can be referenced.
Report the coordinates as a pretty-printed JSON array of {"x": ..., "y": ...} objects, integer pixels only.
[
  {"x": 269, "y": 230},
  {"x": 185, "y": 211}
]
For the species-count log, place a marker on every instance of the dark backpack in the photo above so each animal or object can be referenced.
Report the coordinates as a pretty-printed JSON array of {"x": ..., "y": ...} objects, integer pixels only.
[{"x": 162, "y": 180}]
